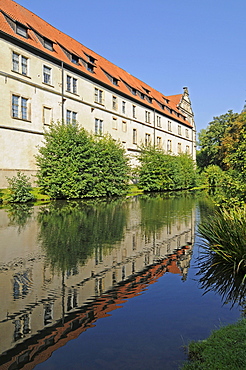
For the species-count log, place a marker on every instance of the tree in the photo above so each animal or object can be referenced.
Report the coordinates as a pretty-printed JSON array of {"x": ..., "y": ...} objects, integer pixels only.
[
  {"x": 210, "y": 140},
  {"x": 74, "y": 164}
]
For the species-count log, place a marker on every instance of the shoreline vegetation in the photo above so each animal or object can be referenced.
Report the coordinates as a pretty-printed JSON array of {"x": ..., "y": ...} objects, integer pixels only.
[{"x": 225, "y": 348}]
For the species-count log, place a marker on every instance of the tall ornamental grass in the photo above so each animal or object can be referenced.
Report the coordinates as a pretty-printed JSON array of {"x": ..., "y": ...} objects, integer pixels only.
[{"x": 225, "y": 235}]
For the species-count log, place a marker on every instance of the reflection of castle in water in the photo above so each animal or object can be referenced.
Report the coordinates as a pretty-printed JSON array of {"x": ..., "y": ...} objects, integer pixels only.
[{"x": 44, "y": 309}]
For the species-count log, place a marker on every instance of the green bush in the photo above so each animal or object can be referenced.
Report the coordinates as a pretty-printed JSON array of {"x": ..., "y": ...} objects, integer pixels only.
[
  {"x": 74, "y": 164},
  {"x": 20, "y": 189},
  {"x": 159, "y": 171}
]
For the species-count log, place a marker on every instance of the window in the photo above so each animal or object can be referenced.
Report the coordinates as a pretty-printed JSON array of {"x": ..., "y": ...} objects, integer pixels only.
[
  {"x": 90, "y": 67},
  {"x": 72, "y": 84},
  {"x": 19, "y": 107},
  {"x": 134, "y": 136},
  {"x": 187, "y": 149},
  {"x": 134, "y": 111},
  {"x": 124, "y": 126},
  {"x": 169, "y": 145},
  {"x": 19, "y": 63},
  {"x": 123, "y": 107},
  {"x": 15, "y": 62},
  {"x": 71, "y": 117},
  {"x": 158, "y": 141},
  {"x": 74, "y": 59},
  {"x": 147, "y": 139},
  {"x": 179, "y": 148},
  {"x": 179, "y": 130},
  {"x": 47, "y": 75},
  {"x": 187, "y": 133},
  {"x": 98, "y": 96},
  {"x": 158, "y": 121},
  {"x": 48, "y": 44},
  {"x": 169, "y": 125},
  {"x": 147, "y": 116},
  {"x": 98, "y": 126},
  {"x": 114, "y": 123},
  {"x": 134, "y": 91},
  {"x": 47, "y": 115},
  {"x": 114, "y": 102},
  {"x": 115, "y": 81},
  {"x": 21, "y": 30}
]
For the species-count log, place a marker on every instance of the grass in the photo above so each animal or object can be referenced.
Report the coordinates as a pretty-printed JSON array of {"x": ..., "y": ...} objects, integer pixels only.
[
  {"x": 224, "y": 349},
  {"x": 225, "y": 235}
]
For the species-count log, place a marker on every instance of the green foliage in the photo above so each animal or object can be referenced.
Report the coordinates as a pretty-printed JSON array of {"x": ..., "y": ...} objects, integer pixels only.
[
  {"x": 224, "y": 349},
  {"x": 210, "y": 140},
  {"x": 74, "y": 164},
  {"x": 159, "y": 171},
  {"x": 20, "y": 189},
  {"x": 213, "y": 176},
  {"x": 225, "y": 234},
  {"x": 72, "y": 232}
]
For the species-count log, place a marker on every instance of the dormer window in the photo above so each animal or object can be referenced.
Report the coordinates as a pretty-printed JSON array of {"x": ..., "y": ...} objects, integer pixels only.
[
  {"x": 74, "y": 59},
  {"x": 146, "y": 90},
  {"x": 48, "y": 44},
  {"x": 134, "y": 91},
  {"x": 90, "y": 67},
  {"x": 149, "y": 99},
  {"x": 115, "y": 81},
  {"x": 21, "y": 30},
  {"x": 91, "y": 59},
  {"x": 142, "y": 95}
]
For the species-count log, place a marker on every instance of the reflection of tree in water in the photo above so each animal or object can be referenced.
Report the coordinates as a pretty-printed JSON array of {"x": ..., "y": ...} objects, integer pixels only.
[
  {"x": 19, "y": 214},
  {"x": 218, "y": 275},
  {"x": 71, "y": 232},
  {"x": 165, "y": 209}
]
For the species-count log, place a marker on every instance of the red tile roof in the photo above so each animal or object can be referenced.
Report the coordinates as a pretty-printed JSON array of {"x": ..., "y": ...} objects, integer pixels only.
[{"x": 61, "y": 41}]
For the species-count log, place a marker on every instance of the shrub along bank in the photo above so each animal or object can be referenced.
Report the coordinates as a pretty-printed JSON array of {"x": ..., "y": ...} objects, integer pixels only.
[{"x": 159, "y": 171}]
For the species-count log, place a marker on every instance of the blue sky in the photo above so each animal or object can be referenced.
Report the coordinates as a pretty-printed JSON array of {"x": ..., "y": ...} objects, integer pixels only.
[{"x": 166, "y": 43}]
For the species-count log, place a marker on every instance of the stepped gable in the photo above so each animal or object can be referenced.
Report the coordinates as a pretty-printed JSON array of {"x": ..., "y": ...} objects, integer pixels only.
[{"x": 102, "y": 70}]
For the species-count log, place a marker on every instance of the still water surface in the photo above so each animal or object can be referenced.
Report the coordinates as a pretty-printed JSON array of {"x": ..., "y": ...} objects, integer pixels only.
[{"x": 103, "y": 285}]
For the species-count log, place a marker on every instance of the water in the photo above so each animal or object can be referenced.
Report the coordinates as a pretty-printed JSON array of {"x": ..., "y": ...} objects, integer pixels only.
[{"x": 103, "y": 285}]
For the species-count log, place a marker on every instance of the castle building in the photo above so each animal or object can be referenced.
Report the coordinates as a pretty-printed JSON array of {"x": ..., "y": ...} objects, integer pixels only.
[{"x": 46, "y": 76}]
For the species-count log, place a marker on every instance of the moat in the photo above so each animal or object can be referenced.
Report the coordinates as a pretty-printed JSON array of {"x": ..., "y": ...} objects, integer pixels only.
[{"x": 103, "y": 284}]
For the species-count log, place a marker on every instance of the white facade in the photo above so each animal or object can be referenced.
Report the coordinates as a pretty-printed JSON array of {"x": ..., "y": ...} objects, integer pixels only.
[{"x": 38, "y": 88}]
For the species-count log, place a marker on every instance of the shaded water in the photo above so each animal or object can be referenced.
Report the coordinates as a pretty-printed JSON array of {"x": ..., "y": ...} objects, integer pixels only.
[{"x": 103, "y": 285}]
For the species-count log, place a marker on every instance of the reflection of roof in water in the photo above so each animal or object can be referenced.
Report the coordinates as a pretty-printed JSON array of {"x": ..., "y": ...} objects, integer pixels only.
[{"x": 40, "y": 347}]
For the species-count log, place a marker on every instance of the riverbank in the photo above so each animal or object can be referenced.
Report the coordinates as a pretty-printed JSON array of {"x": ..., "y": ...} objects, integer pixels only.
[{"x": 224, "y": 349}]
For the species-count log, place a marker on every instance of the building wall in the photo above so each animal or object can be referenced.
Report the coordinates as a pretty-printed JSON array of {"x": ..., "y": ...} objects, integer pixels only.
[{"x": 49, "y": 101}]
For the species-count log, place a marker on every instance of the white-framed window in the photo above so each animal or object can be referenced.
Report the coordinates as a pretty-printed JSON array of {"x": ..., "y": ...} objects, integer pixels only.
[
  {"x": 72, "y": 84},
  {"x": 98, "y": 126},
  {"x": 98, "y": 96},
  {"x": 71, "y": 117},
  {"x": 187, "y": 133},
  {"x": 187, "y": 149},
  {"x": 19, "y": 64},
  {"x": 134, "y": 111},
  {"x": 134, "y": 136},
  {"x": 179, "y": 130},
  {"x": 158, "y": 121},
  {"x": 47, "y": 75},
  {"x": 147, "y": 116},
  {"x": 169, "y": 145},
  {"x": 147, "y": 139},
  {"x": 47, "y": 115},
  {"x": 179, "y": 148},
  {"x": 169, "y": 126},
  {"x": 20, "y": 107},
  {"x": 114, "y": 103},
  {"x": 124, "y": 126},
  {"x": 158, "y": 141},
  {"x": 115, "y": 123},
  {"x": 123, "y": 107}
]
